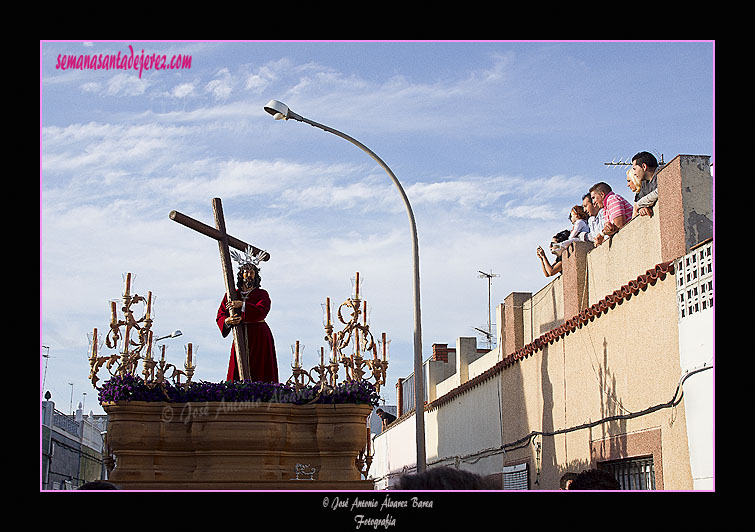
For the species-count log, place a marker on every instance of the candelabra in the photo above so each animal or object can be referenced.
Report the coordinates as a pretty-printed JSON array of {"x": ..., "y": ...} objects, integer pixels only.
[
  {"x": 155, "y": 372},
  {"x": 355, "y": 333}
]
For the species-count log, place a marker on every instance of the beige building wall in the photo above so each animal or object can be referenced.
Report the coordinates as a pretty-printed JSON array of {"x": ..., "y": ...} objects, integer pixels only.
[{"x": 613, "y": 366}]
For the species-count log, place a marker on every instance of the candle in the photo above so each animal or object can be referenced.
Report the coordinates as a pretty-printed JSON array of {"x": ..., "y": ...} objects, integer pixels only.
[
  {"x": 149, "y": 303},
  {"x": 385, "y": 347},
  {"x": 112, "y": 312},
  {"x": 296, "y": 355},
  {"x": 327, "y": 310},
  {"x": 322, "y": 356},
  {"x": 94, "y": 343},
  {"x": 149, "y": 346},
  {"x": 128, "y": 284},
  {"x": 364, "y": 307},
  {"x": 188, "y": 355},
  {"x": 126, "y": 338},
  {"x": 356, "y": 342},
  {"x": 162, "y": 347},
  {"x": 368, "y": 439},
  {"x": 356, "y": 286}
]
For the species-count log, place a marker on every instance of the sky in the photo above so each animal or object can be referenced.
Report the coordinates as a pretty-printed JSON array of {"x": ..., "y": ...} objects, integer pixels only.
[{"x": 493, "y": 143}]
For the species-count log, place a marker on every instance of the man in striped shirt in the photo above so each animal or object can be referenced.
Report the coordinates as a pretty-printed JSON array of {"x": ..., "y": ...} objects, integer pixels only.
[{"x": 616, "y": 210}]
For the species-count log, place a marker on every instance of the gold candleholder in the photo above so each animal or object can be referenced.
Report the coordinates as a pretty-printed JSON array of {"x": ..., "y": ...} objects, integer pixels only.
[
  {"x": 358, "y": 366},
  {"x": 352, "y": 314},
  {"x": 138, "y": 349}
]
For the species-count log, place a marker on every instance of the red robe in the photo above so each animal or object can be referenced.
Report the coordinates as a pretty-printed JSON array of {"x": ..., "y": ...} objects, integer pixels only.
[{"x": 262, "y": 363}]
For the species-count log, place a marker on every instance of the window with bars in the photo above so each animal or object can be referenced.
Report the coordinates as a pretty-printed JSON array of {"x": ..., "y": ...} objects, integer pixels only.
[
  {"x": 632, "y": 473},
  {"x": 516, "y": 477}
]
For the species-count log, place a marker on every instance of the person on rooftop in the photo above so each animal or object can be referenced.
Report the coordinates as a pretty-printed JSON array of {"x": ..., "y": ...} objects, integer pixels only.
[
  {"x": 617, "y": 210},
  {"x": 645, "y": 166},
  {"x": 387, "y": 417},
  {"x": 580, "y": 228},
  {"x": 578, "y": 217},
  {"x": 633, "y": 182},
  {"x": 594, "y": 221},
  {"x": 548, "y": 268}
]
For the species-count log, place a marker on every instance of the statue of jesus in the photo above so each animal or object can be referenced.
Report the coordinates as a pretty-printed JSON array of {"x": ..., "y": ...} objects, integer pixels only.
[{"x": 249, "y": 312}]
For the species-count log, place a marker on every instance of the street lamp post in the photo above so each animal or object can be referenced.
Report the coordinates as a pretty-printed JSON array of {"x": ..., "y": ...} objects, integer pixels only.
[
  {"x": 279, "y": 110},
  {"x": 174, "y": 334}
]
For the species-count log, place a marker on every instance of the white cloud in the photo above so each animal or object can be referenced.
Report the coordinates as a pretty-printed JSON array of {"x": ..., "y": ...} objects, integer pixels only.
[
  {"x": 183, "y": 90},
  {"x": 221, "y": 87},
  {"x": 257, "y": 83},
  {"x": 126, "y": 84},
  {"x": 89, "y": 151},
  {"x": 91, "y": 86}
]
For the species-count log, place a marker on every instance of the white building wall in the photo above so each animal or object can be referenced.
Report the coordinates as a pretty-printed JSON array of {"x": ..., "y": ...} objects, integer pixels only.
[
  {"x": 395, "y": 453},
  {"x": 484, "y": 363},
  {"x": 696, "y": 351},
  {"x": 466, "y": 432}
]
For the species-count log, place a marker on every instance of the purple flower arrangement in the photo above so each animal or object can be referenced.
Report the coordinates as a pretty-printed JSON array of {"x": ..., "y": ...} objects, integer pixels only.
[{"x": 133, "y": 388}]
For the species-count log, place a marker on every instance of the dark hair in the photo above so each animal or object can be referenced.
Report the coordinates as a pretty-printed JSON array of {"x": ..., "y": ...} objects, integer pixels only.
[
  {"x": 97, "y": 485},
  {"x": 560, "y": 237},
  {"x": 445, "y": 478},
  {"x": 602, "y": 186},
  {"x": 566, "y": 477},
  {"x": 595, "y": 479},
  {"x": 257, "y": 277},
  {"x": 647, "y": 158}
]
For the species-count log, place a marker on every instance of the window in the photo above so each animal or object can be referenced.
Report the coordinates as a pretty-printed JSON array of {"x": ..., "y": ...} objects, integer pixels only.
[
  {"x": 632, "y": 473},
  {"x": 515, "y": 477},
  {"x": 694, "y": 281}
]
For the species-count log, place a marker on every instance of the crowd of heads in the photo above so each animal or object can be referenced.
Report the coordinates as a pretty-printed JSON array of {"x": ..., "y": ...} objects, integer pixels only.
[
  {"x": 445, "y": 478},
  {"x": 590, "y": 480},
  {"x": 453, "y": 479},
  {"x": 603, "y": 212}
]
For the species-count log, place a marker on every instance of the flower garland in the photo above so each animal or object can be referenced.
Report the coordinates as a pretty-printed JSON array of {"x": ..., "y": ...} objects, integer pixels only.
[{"x": 133, "y": 388}]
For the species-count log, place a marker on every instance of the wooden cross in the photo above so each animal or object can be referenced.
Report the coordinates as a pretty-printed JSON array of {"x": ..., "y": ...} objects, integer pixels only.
[{"x": 224, "y": 241}]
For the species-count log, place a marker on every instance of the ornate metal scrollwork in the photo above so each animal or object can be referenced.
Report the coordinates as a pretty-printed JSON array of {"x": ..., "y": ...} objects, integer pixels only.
[{"x": 134, "y": 336}]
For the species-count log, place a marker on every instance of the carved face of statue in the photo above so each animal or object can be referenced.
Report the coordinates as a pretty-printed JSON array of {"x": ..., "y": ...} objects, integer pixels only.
[{"x": 248, "y": 275}]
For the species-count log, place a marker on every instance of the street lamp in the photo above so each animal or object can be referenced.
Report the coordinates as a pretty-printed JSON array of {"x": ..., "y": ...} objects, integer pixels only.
[
  {"x": 171, "y": 335},
  {"x": 280, "y": 111}
]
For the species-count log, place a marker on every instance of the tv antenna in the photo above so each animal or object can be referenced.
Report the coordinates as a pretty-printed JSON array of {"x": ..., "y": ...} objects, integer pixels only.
[
  {"x": 489, "y": 332},
  {"x": 47, "y": 358},
  {"x": 488, "y": 336},
  {"x": 620, "y": 162},
  {"x": 628, "y": 161}
]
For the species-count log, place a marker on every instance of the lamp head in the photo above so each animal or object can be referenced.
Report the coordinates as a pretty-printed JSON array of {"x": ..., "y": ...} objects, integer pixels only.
[{"x": 279, "y": 110}]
